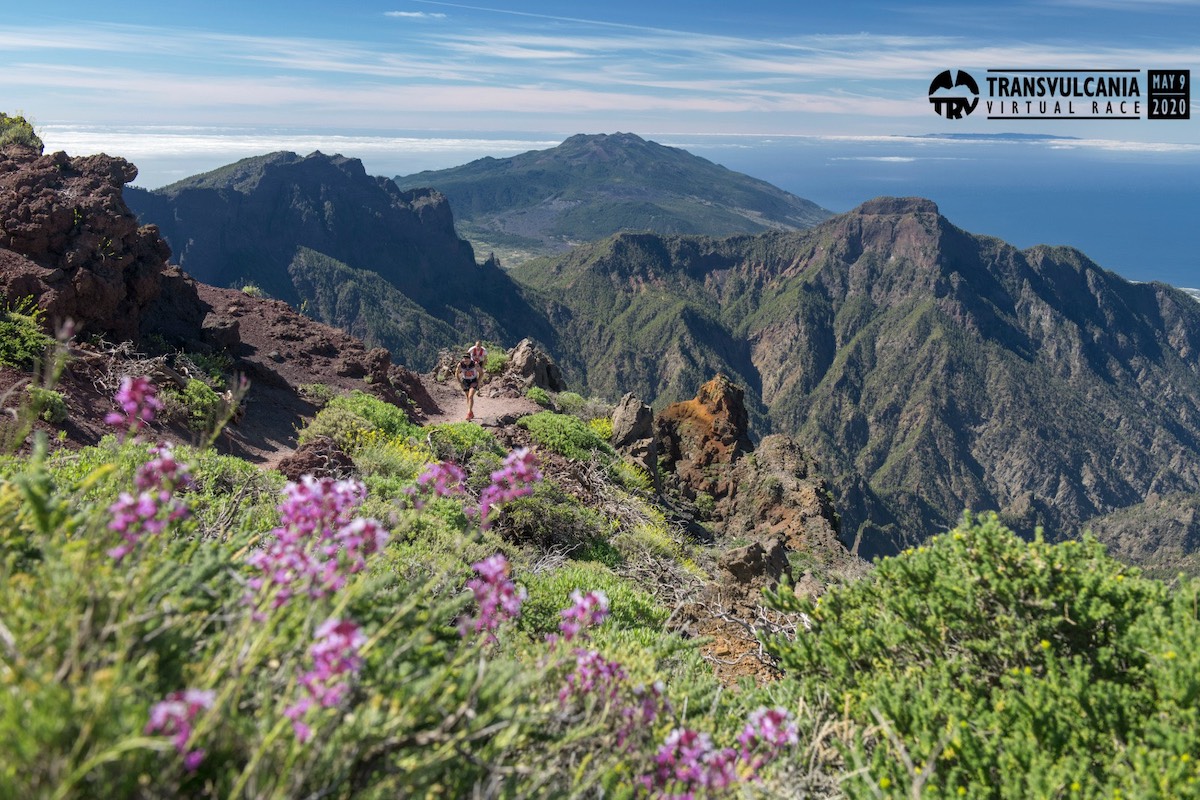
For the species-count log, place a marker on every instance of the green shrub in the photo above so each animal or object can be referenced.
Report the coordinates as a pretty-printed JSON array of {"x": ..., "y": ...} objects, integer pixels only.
[
  {"x": 631, "y": 476},
  {"x": 649, "y": 540},
  {"x": 550, "y": 592},
  {"x": 49, "y": 405},
  {"x": 603, "y": 427},
  {"x": 383, "y": 415},
  {"x": 569, "y": 402},
  {"x": 319, "y": 394},
  {"x": 538, "y": 395},
  {"x": 346, "y": 428},
  {"x": 566, "y": 435},
  {"x": 996, "y": 668},
  {"x": 553, "y": 520},
  {"x": 497, "y": 360},
  {"x": 17, "y": 130},
  {"x": 588, "y": 409},
  {"x": 216, "y": 366},
  {"x": 461, "y": 441},
  {"x": 203, "y": 405},
  {"x": 22, "y": 340},
  {"x": 391, "y": 466}
]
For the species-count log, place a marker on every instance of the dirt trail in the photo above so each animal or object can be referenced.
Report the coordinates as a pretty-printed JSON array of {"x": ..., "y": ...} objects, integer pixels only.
[{"x": 490, "y": 412}]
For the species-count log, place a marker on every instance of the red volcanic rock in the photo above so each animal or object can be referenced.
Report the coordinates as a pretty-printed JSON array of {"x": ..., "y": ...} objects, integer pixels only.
[
  {"x": 68, "y": 239},
  {"x": 701, "y": 438}
]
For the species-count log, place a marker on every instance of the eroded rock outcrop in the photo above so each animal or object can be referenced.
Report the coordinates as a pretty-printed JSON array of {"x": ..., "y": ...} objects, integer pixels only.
[
  {"x": 633, "y": 435},
  {"x": 772, "y": 495},
  {"x": 74, "y": 246},
  {"x": 531, "y": 362},
  {"x": 772, "y": 492}
]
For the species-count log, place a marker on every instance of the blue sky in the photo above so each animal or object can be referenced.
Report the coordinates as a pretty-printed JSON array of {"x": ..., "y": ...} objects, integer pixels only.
[
  {"x": 701, "y": 66},
  {"x": 406, "y": 85}
]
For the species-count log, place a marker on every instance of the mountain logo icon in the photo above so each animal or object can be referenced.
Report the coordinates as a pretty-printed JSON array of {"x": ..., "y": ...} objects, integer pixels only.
[{"x": 954, "y": 95}]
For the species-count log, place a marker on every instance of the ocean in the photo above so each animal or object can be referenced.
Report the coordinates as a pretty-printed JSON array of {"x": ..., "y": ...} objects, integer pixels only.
[{"x": 1131, "y": 207}]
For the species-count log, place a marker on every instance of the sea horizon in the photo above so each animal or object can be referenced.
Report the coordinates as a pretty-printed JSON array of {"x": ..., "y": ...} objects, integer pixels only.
[{"x": 1126, "y": 205}]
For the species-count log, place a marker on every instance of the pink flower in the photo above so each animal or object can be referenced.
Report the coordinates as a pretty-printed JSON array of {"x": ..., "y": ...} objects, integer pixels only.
[
  {"x": 138, "y": 399},
  {"x": 687, "y": 763},
  {"x": 594, "y": 674},
  {"x": 641, "y": 711},
  {"x": 335, "y": 660},
  {"x": 514, "y": 479},
  {"x": 767, "y": 731},
  {"x": 174, "y": 717},
  {"x": 155, "y": 505},
  {"x": 496, "y": 595},
  {"x": 586, "y": 610},
  {"x": 443, "y": 479},
  {"x": 318, "y": 543},
  {"x": 772, "y": 728}
]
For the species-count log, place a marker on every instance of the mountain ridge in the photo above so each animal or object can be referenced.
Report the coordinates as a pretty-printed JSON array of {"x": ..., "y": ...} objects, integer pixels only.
[
  {"x": 545, "y": 201},
  {"x": 260, "y": 220},
  {"x": 929, "y": 369}
]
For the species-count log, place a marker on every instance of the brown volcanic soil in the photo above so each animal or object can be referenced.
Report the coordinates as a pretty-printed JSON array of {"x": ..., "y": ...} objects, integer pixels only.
[
  {"x": 279, "y": 351},
  {"x": 490, "y": 412}
]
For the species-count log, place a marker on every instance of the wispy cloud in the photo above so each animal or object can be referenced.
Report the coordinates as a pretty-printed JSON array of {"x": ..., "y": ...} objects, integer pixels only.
[
  {"x": 415, "y": 14},
  {"x": 543, "y": 65},
  {"x": 884, "y": 159}
]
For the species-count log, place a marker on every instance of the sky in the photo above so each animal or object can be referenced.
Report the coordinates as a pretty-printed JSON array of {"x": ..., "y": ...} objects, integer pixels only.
[{"x": 407, "y": 85}]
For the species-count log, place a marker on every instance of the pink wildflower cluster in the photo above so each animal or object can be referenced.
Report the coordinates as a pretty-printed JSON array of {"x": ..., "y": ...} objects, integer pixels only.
[
  {"x": 641, "y": 710},
  {"x": 767, "y": 731},
  {"x": 155, "y": 505},
  {"x": 594, "y": 675},
  {"x": 688, "y": 763},
  {"x": 496, "y": 595},
  {"x": 586, "y": 610},
  {"x": 514, "y": 479},
  {"x": 335, "y": 660},
  {"x": 174, "y": 717},
  {"x": 637, "y": 706},
  {"x": 442, "y": 480},
  {"x": 317, "y": 544},
  {"x": 138, "y": 399}
]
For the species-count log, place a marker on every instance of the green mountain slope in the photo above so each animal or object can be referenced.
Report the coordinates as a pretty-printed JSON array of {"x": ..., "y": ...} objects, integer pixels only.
[
  {"x": 929, "y": 369},
  {"x": 544, "y": 201},
  {"x": 351, "y": 249}
]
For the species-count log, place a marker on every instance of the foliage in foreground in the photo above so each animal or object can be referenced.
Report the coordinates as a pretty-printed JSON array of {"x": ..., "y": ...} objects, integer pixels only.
[
  {"x": 981, "y": 665},
  {"x": 564, "y": 434},
  {"x": 172, "y": 626},
  {"x": 22, "y": 340}
]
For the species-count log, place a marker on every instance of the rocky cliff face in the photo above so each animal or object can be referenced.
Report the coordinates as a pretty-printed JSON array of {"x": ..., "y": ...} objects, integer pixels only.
[
  {"x": 243, "y": 223},
  {"x": 771, "y": 493},
  {"x": 68, "y": 240},
  {"x": 928, "y": 369},
  {"x": 351, "y": 249}
]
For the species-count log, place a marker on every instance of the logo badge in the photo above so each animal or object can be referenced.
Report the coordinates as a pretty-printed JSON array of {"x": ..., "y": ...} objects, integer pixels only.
[{"x": 954, "y": 95}]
